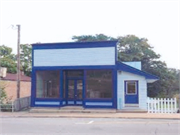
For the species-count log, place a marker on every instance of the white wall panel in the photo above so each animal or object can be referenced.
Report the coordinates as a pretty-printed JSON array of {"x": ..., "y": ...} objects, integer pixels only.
[
  {"x": 75, "y": 56},
  {"x": 142, "y": 83}
]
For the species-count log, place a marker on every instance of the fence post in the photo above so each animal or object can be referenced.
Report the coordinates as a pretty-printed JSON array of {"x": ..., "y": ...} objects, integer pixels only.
[
  {"x": 171, "y": 105},
  {"x": 12, "y": 106},
  {"x": 155, "y": 105},
  {"x": 148, "y": 104},
  {"x": 168, "y": 105},
  {"x": 175, "y": 105},
  {"x": 158, "y": 107},
  {"x": 164, "y": 105}
]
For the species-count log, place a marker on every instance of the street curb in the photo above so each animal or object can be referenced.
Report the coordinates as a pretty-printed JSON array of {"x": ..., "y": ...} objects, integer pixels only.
[{"x": 123, "y": 117}]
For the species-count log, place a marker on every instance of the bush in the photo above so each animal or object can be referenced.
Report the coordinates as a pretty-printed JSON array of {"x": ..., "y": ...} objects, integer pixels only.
[
  {"x": 3, "y": 95},
  {"x": 177, "y": 97},
  {"x": 6, "y": 107}
]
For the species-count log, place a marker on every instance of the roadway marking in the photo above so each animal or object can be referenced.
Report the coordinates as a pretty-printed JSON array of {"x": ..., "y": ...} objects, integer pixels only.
[{"x": 90, "y": 122}]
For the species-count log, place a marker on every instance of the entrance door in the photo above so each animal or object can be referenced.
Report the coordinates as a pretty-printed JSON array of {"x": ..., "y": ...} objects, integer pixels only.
[
  {"x": 131, "y": 92},
  {"x": 75, "y": 91}
]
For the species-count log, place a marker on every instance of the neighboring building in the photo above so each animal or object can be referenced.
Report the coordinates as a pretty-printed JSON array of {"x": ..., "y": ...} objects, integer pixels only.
[
  {"x": 86, "y": 74},
  {"x": 10, "y": 81}
]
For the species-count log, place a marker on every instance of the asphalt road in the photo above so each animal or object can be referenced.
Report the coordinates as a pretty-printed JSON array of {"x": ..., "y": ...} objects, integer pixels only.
[{"x": 88, "y": 126}]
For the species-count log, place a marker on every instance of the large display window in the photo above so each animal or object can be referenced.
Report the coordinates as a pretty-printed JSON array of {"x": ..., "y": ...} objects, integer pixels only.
[
  {"x": 99, "y": 84},
  {"x": 47, "y": 84}
]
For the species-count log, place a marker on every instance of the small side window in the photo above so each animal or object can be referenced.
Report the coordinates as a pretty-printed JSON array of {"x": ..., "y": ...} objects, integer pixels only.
[{"x": 131, "y": 87}]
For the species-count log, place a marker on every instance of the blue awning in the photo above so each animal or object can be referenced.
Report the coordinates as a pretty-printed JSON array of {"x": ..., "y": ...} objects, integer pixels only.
[{"x": 123, "y": 67}]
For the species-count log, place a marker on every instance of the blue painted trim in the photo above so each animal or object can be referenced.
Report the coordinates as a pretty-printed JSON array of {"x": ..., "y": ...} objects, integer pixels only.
[
  {"x": 123, "y": 67},
  {"x": 47, "y": 103},
  {"x": 46, "y": 106},
  {"x": 74, "y": 45},
  {"x": 74, "y": 67},
  {"x": 116, "y": 53},
  {"x": 33, "y": 88},
  {"x": 99, "y": 104},
  {"x": 61, "y": 84},
  {"x": 99, "y": 100},
  {"x": 131, "y": 98},
  {"x": 110, "y": 107},
  {"x": 66, "y": 87}
]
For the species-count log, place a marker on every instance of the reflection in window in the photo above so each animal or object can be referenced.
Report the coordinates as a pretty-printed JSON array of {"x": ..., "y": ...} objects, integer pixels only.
[
  {"x": 64, "y": 84},
  {"x": 47, "y": 84},
  {"x": 74, "y": 73},
  {"x": 131, "y": 87},
  {"x": 99, "y": 84}
]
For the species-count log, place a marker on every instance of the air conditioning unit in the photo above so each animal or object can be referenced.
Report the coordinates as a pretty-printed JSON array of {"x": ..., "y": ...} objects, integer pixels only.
[{"x": 3, "y": 71}]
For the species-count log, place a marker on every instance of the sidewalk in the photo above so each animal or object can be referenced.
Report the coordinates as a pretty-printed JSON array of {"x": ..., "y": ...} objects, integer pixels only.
[{"x": 26, "y": 114}]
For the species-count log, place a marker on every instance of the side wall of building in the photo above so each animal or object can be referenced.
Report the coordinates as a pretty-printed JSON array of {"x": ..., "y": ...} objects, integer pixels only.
[
  {"x": 142, "y": 87},
  {"x": 11, "y": 89}
]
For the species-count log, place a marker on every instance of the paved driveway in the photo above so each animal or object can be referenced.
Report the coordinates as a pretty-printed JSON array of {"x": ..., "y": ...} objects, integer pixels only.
[{"x": 88, "y": 126}]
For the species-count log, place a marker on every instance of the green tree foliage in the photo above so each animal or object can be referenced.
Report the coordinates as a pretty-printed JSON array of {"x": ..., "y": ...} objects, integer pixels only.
[
  {"x": 97, "y": 37},
  {"x": 26, "y": 58},
  {"x": 3, "y": 95},
  {"x": 133, "y": 48},
  {"x": 8, "y": 59}
]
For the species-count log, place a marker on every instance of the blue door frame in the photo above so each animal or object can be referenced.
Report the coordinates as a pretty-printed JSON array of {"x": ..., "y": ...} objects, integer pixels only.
[
  {"x": 131, "y": 98},
  {"x": 74, "y": 99}
]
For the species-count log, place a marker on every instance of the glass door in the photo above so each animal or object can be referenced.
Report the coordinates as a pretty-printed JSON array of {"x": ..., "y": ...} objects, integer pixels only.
[{"x": 75, "y": 92}]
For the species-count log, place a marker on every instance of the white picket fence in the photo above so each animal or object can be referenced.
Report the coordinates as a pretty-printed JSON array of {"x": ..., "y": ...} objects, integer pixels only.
[{"x": 162, "y": 105}]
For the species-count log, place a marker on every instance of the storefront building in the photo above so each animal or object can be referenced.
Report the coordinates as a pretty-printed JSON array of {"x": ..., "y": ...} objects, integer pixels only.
[{"x": 85, "y": 74}]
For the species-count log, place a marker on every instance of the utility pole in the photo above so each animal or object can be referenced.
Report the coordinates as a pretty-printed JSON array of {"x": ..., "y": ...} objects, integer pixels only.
[{"x": 18, "y": 62}]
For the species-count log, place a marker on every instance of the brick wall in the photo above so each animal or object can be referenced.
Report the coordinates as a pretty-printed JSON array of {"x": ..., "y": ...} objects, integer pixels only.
[{"x": 11, "y": 89}]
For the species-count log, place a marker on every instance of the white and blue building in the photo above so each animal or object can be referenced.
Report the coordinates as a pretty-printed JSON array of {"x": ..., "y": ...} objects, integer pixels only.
[{"x": 86, "y": 74}]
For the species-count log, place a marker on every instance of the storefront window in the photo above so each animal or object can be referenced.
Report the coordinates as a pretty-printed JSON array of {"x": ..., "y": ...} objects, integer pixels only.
[
  {"x": 99, "y": 84},
  {"x": 47, "y": 84}
]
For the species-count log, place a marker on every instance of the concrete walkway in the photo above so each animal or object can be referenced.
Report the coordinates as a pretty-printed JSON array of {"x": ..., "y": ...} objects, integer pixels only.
[{"x": 91, "y": 115}]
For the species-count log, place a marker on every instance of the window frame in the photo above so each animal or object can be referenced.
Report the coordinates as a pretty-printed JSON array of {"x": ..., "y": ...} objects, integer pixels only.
[{"x": 136, "y": 87}]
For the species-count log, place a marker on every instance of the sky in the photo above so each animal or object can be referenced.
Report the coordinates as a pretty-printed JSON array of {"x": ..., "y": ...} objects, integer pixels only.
[{"x": 48, "y": 21}]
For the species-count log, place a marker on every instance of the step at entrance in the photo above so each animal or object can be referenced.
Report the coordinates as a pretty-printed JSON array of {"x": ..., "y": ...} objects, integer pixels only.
[
  {"x": 44, "y": 110},
  {"x": 69, "y": 109},
  {"x": 72, "y": 108}
]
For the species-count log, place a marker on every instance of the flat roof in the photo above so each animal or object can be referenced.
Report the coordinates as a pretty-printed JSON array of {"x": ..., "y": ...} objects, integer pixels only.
[{"x": 80, "y": 43}]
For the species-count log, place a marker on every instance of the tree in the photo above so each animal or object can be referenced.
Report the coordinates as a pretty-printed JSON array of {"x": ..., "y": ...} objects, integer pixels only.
[
  {"x": 97, "y": 37},
  {"x": 133, "y": 48},
  {"x": 3, "y": 95},
  {"x": 26, "y": 58},
  {"x": 8, "y": 59}
]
